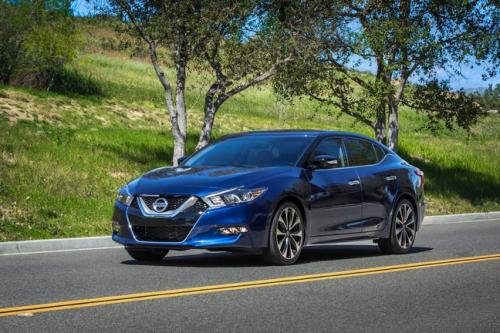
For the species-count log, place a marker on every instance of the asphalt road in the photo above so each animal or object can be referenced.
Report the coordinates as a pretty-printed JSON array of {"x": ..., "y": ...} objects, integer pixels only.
[{"x": 445, "y": 297}]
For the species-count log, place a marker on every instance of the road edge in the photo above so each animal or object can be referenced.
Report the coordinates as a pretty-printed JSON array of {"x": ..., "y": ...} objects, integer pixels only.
[
  {"x": 461, "y": 218},
  {"x": 58, "y": 244},
  {"x": 81, "y": 243}
]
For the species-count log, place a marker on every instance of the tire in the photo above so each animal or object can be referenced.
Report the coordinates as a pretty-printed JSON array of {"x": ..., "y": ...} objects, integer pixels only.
[
  {"x": 286, "y": 235},
  {"x": 151, "y": 255},
  {"x": 403, "y": 229}
]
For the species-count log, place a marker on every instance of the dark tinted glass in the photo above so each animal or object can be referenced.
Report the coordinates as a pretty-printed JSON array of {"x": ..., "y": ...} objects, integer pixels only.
[
  {"x": 360, "y": 152},
  {"x": 380, "y": 152},
  {"x": 332, "y": 147},
  {"x": 252, "y": 151}
]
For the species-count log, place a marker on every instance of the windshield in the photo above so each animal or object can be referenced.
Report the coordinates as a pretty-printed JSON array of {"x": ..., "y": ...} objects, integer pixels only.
[{"x": 252, "y": 151}]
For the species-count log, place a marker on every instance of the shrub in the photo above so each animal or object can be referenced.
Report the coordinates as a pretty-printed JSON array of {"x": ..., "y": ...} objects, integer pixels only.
[{"x": 36, "y": 41}]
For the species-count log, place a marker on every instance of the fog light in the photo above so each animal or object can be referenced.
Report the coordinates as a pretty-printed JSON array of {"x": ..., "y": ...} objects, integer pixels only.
[
  {"x": 233, "y": 230},
  {"x": 115, "y": 226}
]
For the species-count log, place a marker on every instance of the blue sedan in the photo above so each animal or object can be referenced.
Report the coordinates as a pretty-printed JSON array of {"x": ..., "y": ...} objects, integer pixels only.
[{"x": 273, "y": 193}]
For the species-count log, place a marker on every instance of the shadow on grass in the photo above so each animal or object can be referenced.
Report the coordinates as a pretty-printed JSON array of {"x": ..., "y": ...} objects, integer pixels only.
[
  {"x": 312, "y": 254},
  {"x": 146, "y": 154},
  {"x": 71, "y": 82},
  {"x": 141, "y": 153},
  {"x": 467, "y": 184}
]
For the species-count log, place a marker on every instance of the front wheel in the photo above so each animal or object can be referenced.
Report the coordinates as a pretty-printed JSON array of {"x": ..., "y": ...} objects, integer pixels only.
[
  {"x": 147, "y": 254},
  {"x": 403, "y": 230},
  {"x": 286, "y": 237}
]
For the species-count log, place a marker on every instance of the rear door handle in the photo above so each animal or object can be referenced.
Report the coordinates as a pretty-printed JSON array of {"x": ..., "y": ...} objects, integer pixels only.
[
  {"x": 353, "y": 182},
  {"x": 390, "y": 178}
]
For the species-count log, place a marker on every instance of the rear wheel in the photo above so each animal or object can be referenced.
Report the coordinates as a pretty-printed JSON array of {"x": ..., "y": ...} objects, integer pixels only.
[
  {"x": 403, "y": 229},
  {"x": 147, "y": 254},
  {"x": 286, "y": 237}
]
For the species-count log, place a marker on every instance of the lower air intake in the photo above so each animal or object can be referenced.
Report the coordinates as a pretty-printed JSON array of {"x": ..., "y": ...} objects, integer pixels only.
[{"x": 161, "y": 233}]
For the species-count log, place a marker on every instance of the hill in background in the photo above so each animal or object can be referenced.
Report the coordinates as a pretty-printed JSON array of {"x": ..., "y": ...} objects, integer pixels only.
[{"x": 63, "y": 154}]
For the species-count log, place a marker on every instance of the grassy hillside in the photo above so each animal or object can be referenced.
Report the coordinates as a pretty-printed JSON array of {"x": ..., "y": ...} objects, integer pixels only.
[{"x": 63, "y": 156}]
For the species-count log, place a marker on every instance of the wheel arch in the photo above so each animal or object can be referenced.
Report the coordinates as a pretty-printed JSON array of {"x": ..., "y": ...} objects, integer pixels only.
[
  {"x": 411, "y": 198},
  {"x": 298, "y": 201}
]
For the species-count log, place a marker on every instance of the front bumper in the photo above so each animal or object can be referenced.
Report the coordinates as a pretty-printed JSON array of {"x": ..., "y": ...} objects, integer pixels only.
[{"x": 203, "y": 227}]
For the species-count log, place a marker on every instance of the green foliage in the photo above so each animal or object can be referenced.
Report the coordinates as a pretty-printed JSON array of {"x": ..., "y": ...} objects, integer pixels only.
[
  {"x": 40, "y": 38},
  {"x": 14, "y": 24},
  {"x": 404, "y": 40},
  {"x": 490, "y": 99},
  {"x": 439, "y": 103}
]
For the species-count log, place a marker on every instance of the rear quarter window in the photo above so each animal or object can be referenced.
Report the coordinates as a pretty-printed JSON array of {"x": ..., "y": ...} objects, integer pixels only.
[
  {"x": 360, "y": 152},
  {"x": 380, "y": 152}
]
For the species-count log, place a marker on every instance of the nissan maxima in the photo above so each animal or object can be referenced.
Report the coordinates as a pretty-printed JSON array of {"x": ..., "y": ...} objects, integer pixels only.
[{"x": 273, "y": 193}]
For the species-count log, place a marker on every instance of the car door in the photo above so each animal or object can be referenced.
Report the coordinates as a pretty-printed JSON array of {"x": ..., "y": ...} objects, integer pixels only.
[
  {"x": 336, "y": 196},
  {"x": 378, "y": 182}
]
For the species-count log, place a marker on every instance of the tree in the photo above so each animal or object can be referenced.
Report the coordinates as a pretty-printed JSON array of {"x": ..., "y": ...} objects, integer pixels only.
[
  {"x": 37, "y": 38},
  {"x": 491, "y": 97},
  {"x": 402, "y": 40},
  {"x": 218, "y": 34},
  {"x": 14, "y": 27},
  {"x": 244, "y": 51}
]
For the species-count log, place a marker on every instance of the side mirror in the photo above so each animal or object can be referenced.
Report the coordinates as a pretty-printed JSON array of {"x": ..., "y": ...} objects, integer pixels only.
[
  {"x": 181, "y": 159},
  {"x": 325, "y": 162}
]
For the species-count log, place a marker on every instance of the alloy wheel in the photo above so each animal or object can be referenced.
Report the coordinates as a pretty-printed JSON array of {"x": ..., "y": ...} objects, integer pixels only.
[
  {"x": 405, "y": 226},
  {"x": 289, "y": 233}
]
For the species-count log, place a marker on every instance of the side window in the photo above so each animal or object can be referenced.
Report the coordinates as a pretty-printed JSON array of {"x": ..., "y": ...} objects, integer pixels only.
[
  {"x": 360, "y": 152},
  {"x": 332, "y": 147},
  {"x": 380, "y": 152}
]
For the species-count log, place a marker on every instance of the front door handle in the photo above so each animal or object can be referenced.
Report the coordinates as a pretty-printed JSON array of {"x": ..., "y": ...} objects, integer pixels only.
[
  {"x": 353, "y": 182},
  {"x": 390, "y": 178}
]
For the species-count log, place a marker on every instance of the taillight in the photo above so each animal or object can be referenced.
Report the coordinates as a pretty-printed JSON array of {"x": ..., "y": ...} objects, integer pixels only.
[{"x": 421, "y": 175}]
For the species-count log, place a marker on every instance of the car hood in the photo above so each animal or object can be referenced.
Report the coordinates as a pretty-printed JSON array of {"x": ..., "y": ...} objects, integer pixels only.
[{"x": 200, "y": 180}]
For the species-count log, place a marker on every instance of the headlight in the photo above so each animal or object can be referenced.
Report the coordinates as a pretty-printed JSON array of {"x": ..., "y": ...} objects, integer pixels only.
[
  {"x": 233, "y": 196},
  {"x": 124, "y": 196}
]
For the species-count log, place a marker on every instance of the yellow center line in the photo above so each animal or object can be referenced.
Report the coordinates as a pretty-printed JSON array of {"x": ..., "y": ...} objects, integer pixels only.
[{"x": 89, "y": 302}]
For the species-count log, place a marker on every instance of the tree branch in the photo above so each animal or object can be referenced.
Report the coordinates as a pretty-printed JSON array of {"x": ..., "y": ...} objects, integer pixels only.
[
  {"x": 346, "y": 72},
  {"x": 344, "y": 107},
  {"x": 154, "y": 60},
  {"x": 256, "y": 80}
]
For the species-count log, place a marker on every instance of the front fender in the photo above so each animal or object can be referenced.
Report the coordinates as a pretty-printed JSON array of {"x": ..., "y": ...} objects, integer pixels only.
[{"x": 284, "y": 188}]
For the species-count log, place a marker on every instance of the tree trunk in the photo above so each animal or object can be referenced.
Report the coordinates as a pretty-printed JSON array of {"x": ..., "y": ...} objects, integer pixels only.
[
  {"x": 208, "y": 122},
  {"x": 380, "y": 125},
  {"x": 393, "y": 126},
  {"x": 217, "y": 95},
  {"x": 177, "y": 110},
  {"x": 179, "y": 126},
  {"x": 394, "y": 111}
]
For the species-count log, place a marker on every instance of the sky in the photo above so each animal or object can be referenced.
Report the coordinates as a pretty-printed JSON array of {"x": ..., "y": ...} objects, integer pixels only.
[{"x": 471, "y": 77}]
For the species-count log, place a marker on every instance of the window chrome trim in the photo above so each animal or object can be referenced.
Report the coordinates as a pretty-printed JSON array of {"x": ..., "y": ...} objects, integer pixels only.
[
  {"x": 356, "y": 166},
  {"x": 169, "y": 213},
  {"x": 343, "y": 138}
]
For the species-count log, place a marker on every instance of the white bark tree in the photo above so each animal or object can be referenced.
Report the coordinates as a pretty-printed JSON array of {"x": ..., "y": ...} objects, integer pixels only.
[{"x": 233, "y": 39}]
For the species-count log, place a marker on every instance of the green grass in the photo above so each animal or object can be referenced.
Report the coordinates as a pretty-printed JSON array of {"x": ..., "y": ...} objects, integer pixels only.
[{"x": 62, "y": 156}]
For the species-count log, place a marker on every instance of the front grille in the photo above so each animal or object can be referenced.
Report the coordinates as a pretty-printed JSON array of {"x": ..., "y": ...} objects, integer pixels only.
[
  {"x": 161, "y": 233},
  {"x": 173, "y": 228},
  {"x": 174, "y": 202},
  {"x": 200, "y": 205}
]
